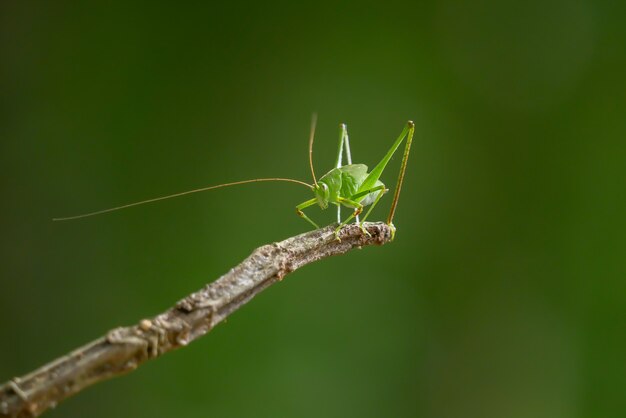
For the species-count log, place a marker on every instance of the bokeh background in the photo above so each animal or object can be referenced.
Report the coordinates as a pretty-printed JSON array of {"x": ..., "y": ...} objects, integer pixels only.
[{"x": 504, "y": 293}]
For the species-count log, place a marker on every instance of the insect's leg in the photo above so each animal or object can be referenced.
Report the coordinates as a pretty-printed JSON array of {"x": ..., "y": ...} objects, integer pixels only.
[
  {"x": 374, "y": 175},
  {"x": 381, "y": 191},
  {"x": 343, "y": 134},
  {"x": 380, "y": 194},
  {"x": 346, "y": 147},
  {"x": 396, "y": 195},
  {"x": 358, "y": 209},
  {"x": 303, "y": 215}
]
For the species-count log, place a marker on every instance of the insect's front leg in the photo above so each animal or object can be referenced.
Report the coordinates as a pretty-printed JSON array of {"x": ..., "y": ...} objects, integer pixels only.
[{"x": 301, "y": 214}]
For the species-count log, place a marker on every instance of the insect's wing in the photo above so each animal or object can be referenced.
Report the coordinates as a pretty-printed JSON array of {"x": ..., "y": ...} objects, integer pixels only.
[
  {"x": 351, "y": 178},
  {"x": 358, "y": 171}
]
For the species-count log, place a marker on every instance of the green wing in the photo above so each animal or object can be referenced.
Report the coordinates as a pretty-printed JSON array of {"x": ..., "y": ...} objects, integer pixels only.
[
  {"x": 358, "y": 171},
  {"x": 351, "y": 178}
]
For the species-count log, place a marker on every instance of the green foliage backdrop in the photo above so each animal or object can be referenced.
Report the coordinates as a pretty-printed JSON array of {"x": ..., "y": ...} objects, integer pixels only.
[{"x": 504, "y": 293}]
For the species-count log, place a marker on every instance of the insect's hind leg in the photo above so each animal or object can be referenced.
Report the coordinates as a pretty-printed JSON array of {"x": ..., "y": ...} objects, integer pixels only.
[
  {"x": 344, "y": 144},
  {"x": 358, "y": 209},
  {"x": 396, "y": 195},
  {"x": 381, "y": 191},
  {"x": 344, "y": 147},
  {"x": 343, "y": 131}
]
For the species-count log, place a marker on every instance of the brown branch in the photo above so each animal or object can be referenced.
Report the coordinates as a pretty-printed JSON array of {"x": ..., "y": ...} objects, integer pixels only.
[{"x": 122, "y": 350}]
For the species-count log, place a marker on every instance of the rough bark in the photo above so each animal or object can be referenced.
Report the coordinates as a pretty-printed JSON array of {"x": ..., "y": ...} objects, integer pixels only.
[{"x": 123, "y": 349}]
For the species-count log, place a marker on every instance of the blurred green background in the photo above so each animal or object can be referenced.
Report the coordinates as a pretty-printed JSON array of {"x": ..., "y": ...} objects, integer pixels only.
[{"x": 504, "y": 293}]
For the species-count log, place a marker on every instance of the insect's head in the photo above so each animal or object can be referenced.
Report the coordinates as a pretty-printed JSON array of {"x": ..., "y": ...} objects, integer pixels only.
[{"x": 322, "y": 194}]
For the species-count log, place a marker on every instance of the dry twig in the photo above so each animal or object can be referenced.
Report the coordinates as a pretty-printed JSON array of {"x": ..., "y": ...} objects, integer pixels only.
[{"x": 123, "y": 349}]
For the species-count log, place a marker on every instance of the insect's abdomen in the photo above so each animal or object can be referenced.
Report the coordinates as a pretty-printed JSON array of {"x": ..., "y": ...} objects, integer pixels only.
[{"x": 369, "y": 199}]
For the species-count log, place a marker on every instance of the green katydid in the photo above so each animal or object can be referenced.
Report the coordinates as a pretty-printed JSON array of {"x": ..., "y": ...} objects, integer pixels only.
[{"x": 345, "y": 185}]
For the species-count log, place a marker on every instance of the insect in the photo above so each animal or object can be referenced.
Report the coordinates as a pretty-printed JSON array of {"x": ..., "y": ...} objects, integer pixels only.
[{"x": 349, "y": 185}]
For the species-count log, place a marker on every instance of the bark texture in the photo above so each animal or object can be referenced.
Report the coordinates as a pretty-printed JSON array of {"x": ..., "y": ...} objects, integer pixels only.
[{"x": 123, "y": 349}]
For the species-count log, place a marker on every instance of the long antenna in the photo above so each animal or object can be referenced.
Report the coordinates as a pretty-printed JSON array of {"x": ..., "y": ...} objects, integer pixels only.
[
  {"x": 311, "y": 136},
  {"x": 85, "y": 215}
]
